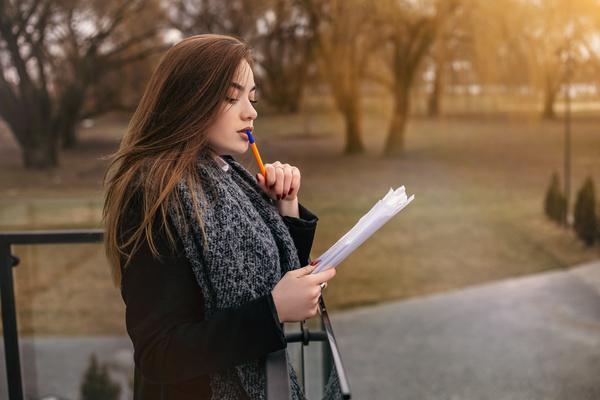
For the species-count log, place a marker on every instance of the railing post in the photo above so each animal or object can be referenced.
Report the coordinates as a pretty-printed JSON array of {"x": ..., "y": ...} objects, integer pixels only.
[
  {"x": 9, "y": 324},
  {"x": 335, "y": 353},
  {"x": 305, "y": 341},
  {"x": 326, "y": 357}
]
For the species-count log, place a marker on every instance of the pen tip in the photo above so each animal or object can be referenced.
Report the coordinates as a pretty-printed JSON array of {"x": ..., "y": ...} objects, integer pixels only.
[{"x": 250, "y": 137}]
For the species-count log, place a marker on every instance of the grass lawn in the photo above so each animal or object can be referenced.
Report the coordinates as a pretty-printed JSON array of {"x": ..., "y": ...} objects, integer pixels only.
[{"x": 479, "y": 184}]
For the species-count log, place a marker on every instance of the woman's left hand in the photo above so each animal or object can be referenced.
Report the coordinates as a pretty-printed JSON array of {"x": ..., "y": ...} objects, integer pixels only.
[{"x": 283, "y": 181}]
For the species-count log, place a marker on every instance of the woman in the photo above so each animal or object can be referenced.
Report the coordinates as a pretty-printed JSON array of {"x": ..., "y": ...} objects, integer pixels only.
[{"x": 208, "y": 258}]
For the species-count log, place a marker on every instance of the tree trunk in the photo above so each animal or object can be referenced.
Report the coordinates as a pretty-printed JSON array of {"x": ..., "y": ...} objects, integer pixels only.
[
  {"x": 352, "y": 120},
  {"x": 70, "y": 107},
  {"x": 394, "y": 145},
  {"x": 69, "y": 136},
  {"x": 433, "y": 103},
  {"x": 284, "y": 95},
  {"x": 347, "y": 102},
  {"x": 294, "y": 105},
  {"x": 285, "y": 100},
  {"x": 549, "y": 100},
  {"x": 36, "y": 134},
  {"x": 40, "y": 151}
]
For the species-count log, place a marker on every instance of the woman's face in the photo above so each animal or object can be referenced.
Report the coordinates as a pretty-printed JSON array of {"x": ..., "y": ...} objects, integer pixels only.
[{"x": 237, "y": 114}]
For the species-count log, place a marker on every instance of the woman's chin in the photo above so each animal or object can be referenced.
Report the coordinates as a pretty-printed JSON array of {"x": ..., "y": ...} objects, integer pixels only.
[
  {"x": 244, "y": 148},
  {"x": 239, "y": 150}
]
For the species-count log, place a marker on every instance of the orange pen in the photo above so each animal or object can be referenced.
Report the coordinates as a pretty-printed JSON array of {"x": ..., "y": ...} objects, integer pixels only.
[{"x": 263, "y": 171}]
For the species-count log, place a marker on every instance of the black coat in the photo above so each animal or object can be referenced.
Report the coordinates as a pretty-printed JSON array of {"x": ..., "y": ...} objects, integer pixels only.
[{"x": 174, "y": 346}]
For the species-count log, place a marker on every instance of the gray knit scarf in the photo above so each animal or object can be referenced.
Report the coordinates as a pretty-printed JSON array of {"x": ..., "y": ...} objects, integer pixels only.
[{"x": 249, "y": 249}]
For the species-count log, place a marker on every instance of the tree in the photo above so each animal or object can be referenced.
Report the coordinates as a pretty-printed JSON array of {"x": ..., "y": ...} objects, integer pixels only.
[
  {"x": 449, "y": 52},
  {"x": 277, "y": 31},
  {"x": 543, "y": 33},
  {"x": 236, "y": 17},
  {"x": 528, "y": 46},
  {"x": 97, "y": 384},
  {"x": 438, "y": 64},
  {"x": 497, "y": 53},
  {"x": 285, "y": 55},
  {"x": 555, "y": 201},
  {"x": 51, "y": 53},
  {"x": 131, "y": 36},
  {"x": 410, "y": 30},
  {"x": 25, "y": 100},
  {"x": 344, "y": 38},
  {"x": 586, "y": 220}
]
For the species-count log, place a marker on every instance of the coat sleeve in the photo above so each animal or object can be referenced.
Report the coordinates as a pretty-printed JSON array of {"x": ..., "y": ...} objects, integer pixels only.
[
  {"x": 164, "y": 318},
  {"x": 302, "y": 230}
]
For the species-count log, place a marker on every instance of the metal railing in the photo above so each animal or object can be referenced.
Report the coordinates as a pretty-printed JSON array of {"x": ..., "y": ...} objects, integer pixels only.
[
  {"x": 276, "y": 368},
  {"x": 276, "y": 365}
]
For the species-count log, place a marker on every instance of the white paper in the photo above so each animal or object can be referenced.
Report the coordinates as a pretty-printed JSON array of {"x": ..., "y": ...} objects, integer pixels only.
[{"x": 367, "y": 225}]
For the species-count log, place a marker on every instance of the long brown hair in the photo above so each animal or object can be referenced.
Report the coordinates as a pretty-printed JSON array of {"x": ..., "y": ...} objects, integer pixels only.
[{"x": 164, "y": 138}]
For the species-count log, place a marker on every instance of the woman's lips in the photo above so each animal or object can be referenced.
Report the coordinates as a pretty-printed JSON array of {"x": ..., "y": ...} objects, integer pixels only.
[{"x": 243, "y": 134}]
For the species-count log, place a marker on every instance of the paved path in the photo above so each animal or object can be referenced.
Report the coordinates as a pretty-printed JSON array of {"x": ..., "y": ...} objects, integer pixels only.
[
  {"x": 53, "y": 366},
  {"x": 536, "y": 337}
]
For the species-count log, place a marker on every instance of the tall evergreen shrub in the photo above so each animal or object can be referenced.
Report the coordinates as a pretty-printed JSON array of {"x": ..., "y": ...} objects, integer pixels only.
[
  {"x": 586, "y": 221},
  {"x": 97, "y": 384}
]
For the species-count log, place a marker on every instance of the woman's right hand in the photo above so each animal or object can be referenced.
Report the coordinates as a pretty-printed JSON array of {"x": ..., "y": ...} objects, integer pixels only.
[{"x": 296, "y": 295}]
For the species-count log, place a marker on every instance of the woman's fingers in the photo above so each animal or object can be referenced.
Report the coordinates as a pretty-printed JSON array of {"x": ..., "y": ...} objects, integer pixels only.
[
  {"x": 295, "y": 184},
  {"x": 271, "y": 178},
  {"x": 260, "y": 179},
  {"x": 279, "y": 184},
  {"x": 321, "y": 277},
  {"x": 287, "y": 180},
  {"x": 283, "y": 180}
]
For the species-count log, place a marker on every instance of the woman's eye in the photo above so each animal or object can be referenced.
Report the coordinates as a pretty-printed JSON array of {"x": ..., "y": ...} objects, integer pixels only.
[{"x": 233, "y": 100}]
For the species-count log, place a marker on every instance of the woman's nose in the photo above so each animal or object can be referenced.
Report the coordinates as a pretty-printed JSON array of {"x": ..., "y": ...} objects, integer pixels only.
[{"x": 249, "y": 112}]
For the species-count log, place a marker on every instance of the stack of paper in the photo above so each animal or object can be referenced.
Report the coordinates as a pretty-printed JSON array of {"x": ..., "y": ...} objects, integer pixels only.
[{"x": 382, "y": 212}]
